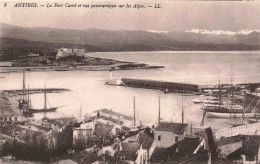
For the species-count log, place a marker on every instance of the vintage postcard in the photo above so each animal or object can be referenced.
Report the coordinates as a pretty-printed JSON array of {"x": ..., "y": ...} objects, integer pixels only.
[{"x": 129, "y": 81}]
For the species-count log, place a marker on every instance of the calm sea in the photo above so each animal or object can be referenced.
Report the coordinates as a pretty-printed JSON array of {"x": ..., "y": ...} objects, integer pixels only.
[{"x": 89, "y": 92}]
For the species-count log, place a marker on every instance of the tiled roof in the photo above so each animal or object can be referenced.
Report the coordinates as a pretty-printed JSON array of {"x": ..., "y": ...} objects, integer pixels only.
[
  {"x": 159, "y": 155},
  {"x": 250, "y": 144},
  {"x": 229, "y": 140},
  {"x": 115, "y": 114},
  {"x": 201, "y": 158},
  {"x": 129, "y": 150},
  {"x": 189, "y": 144},
  {"x": 176, "y": 128}
]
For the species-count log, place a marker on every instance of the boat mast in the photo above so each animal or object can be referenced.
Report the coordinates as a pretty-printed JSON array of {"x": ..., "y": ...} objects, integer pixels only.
[
  {"x": 244, "y": 97},
  {"x": 183, "y": 108},
  {"x": 232, "y": 94},
  {"x": 23, "y": 97},
  {"x": 219, "y": 93},
  {"x": 134, "y": 110},
  {"x": 45, "y": 99},
  {"x": 80, "y": 113},
  {"x": 29, "y": 96}
]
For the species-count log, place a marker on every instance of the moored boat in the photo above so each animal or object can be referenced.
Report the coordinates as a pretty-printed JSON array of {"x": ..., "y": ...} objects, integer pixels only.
[
  {"x": 229, "y": 114},
  {"x": 45, "y": 109}
]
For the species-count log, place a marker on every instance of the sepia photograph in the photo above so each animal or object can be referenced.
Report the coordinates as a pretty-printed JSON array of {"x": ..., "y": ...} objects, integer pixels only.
[{"x": 129, "y": 82}]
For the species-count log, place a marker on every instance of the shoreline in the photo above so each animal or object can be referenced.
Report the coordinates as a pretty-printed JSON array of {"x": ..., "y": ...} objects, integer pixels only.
[
  {"x": 72, "y": 63},
  {"x": 63, "y": 68}
]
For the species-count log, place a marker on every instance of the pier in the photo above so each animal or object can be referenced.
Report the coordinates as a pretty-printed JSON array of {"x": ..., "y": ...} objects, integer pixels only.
[
  {"x": 159, "y": 85},
  {"x": 36, "y": 90}
]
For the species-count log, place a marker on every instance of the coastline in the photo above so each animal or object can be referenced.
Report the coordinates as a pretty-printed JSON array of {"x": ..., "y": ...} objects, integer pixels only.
[
  {"x": 69, "y": 68},
  {"x": 72, "y": 63}
]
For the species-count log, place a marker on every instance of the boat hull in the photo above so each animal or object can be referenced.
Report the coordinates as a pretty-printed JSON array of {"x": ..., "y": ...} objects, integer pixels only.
[
  {"x": 229, "y": 115},
  {"x": 42, "y": 110}
]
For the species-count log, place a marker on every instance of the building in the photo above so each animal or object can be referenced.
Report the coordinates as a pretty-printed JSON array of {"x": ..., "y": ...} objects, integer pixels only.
[
  {"x": 7, "y": 116},
  {"x": 114, "y": 116},
  {"x": 56, "y": 125},
  {"x": 166, "y": 134},
  {"x": 179, "y": 152},
  {"x": 85, "y": 131},
  {"x": 6, "y": 64},
  {"x": 105, "y": 131},
  {"x": 242, "y": 148},
  {"x": 228, "y": 145},
  {"x": 133, "y": 153},
  {"x": 64, "y": 52}
]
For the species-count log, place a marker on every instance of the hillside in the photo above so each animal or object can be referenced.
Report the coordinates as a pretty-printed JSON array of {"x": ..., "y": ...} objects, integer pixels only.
[{"x": 44, "y": 40}]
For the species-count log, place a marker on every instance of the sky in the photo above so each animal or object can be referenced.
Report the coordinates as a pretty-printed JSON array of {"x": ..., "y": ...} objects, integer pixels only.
[{"x": 172, "y": 16}]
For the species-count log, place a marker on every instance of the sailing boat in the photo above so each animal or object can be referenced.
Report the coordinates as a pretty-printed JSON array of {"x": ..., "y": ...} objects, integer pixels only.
[
  {"x": 26, "y": 112},
  {"x": 227, "y": 112},
  {"x": 23, "y": 102},
  {"x": 45, "y": 109}
]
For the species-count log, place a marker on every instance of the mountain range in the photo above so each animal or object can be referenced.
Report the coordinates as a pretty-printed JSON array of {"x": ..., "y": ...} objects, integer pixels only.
[{"x": 126, "y": 40}]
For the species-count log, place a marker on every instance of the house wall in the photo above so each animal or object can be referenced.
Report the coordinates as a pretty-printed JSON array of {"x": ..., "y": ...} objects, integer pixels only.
[
  {"x": 128, "y": 123},
  {"x": 152, "y": 149},
  {"x": 6, "y": 64},
  {"x": 89, "y": 125},
  {"x": 11, "y": 118},
  {"x": 167, "y": 138},
  {"x": 142, "y": 156},
  {"x": 86, "y": 133},
  {"x": 247, "y": 162}
]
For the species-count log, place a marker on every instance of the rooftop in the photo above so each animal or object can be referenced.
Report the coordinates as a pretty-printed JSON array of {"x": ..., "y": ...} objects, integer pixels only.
[
  {"x": 189, "y": 144},
  {"x": 229, "y": 140},
  {"x": 176, "y": 128},
  {"x": 159, "y": 155},
  {"x": 52, "y": 121},
  {"x": 115, "y": 114}
]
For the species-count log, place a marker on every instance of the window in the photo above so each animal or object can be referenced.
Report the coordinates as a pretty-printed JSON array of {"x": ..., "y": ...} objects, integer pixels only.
[
  {"x": 176, "y": 139},
  {"x": 159, "y": 138}
]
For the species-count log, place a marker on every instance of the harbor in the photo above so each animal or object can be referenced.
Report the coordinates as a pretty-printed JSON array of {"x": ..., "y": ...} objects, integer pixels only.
[
  {"x": 133, "y": 82},
  {"x": 149, "y": 104}
]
